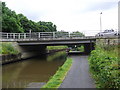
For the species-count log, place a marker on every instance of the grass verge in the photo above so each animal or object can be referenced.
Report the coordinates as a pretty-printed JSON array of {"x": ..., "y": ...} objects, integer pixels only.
[
  {"x": 8, "y": 48},
  {"x": 56, "y": 47},
  {"x": 59, "y": 76}
]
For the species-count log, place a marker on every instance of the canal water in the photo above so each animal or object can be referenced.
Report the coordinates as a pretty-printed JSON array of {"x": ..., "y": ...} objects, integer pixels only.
[{"x": 31, "y": 72}]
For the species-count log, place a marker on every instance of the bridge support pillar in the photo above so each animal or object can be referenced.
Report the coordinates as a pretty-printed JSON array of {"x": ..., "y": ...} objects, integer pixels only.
[
  {"x": 88, "y": 47},
  {"x": 32, "y": 50}
]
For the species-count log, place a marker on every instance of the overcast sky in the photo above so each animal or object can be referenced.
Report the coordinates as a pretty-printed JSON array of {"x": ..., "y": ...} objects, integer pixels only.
[{"x": 70, "y": 15}]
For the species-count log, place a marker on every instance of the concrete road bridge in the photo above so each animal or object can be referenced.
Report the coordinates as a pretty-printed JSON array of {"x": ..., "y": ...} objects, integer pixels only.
[{"x": 37, "y": 41}]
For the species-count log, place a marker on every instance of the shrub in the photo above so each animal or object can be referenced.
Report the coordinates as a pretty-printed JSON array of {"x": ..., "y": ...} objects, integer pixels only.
[
  {"x": 7, "y": 48},
  {"x": 105, "y": 68}
]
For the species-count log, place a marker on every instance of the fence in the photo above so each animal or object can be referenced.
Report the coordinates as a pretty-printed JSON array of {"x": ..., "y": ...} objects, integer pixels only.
[
  {"x": 38, "y": 35},
  {"x": 46, "y": 35}
]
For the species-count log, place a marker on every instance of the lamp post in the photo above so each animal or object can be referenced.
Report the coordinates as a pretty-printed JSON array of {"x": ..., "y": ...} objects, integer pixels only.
[{"x": 100, "y": 22}]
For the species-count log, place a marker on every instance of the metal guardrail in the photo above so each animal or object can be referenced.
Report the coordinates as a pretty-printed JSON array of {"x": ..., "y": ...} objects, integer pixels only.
[
  {"x": 44, "y": 35},
  {"x": 38, "y": 35}
]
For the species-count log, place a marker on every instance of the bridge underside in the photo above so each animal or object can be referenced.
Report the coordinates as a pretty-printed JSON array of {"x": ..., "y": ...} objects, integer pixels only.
[
  {"x": 57, "y": 42},
  {"x": 30, "y": 49}
]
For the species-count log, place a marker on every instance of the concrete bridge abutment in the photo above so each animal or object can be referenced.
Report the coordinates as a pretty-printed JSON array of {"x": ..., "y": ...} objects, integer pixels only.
[{"x": 88, "y": 47}]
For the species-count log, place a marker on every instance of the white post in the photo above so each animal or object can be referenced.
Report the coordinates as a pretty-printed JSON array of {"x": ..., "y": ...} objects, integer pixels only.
[
  {"x": 38, "y": 35},
  {"x": 13, "y": 35},
  {"x": 100, "y": 22},
  {"x": 19, "y": 36},
  {"x": 69, "y": 34},
  {"x": 53, "y": 34},
  {"x": 29, "y": 31},
  {"x": 7, "y": 35},
  {"x": 30, "y": 34},
  {"x": 24, "y": 35}
]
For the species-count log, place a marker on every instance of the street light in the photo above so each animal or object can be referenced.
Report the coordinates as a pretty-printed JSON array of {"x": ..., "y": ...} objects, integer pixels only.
[{"x": 100, "y": 22}]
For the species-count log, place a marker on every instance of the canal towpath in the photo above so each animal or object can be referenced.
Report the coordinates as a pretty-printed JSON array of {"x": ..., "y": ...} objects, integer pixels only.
[{"x": 79, "y": 75}]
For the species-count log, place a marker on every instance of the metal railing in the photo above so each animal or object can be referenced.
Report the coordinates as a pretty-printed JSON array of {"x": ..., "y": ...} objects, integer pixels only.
[
  {"x": 35, "y": 35},
  {"x": 44, "y": 35}
]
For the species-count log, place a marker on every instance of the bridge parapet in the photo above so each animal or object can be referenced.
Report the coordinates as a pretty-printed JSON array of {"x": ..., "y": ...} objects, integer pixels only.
[{"x": 45, "y": 36}]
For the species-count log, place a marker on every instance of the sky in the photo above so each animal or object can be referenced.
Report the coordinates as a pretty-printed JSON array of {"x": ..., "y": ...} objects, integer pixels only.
[{"x": 70, "y": 15}]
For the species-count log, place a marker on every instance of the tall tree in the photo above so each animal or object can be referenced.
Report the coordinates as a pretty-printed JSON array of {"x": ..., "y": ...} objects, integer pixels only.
[
  {"x": 10, "y": 21},
  {"x": 25, "y": 23},
  {"x": 50, "y": 26}
]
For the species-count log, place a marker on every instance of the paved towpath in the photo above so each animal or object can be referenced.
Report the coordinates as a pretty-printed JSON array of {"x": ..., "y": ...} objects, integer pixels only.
[{"x": 78, "y": 76}]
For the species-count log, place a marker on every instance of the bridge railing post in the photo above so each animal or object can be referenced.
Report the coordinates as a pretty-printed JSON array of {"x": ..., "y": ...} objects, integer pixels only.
[
  {"x": 39, "y": 35},
  {"x": 19, "y": 36},
  {"x": 24, "y": 35},
  {"x": 7, "y": 35},
  {"x": 53, "y": 34},
  {"x": 13, "y": 35},
  {"x": 69, "y": 34}
]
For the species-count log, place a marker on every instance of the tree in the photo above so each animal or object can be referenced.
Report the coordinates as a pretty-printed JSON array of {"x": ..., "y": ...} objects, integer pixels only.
[
  {"x": 50, "y": 26},
  {"x": 10, "y": 21},
  {"x": 25, "y": 23},
  {"x": 77, "y": 34}
]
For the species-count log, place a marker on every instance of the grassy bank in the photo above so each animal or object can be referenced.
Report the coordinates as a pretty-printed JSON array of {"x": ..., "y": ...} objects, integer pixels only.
[
  {"x": 8, "y": 48},
  {"x": 105, "y": 67},
  {"x": 59, "y": 76},
  {"x": 57, "y": 55},
  {"x": 56, "y": 47}
]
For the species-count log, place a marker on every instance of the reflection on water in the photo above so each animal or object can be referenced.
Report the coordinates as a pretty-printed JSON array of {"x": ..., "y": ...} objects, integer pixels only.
[{"x": 40, "y": 69}]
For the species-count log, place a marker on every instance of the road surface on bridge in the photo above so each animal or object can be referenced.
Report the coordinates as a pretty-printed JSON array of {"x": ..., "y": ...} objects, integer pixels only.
[{"x": 79, "y": 75}]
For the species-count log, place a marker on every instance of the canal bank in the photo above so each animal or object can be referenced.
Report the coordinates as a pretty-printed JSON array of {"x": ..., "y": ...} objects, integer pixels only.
[
  {"x": 11, "y": 58},
  {"x": 59, "y": 76},
  {"x": 12, "y": 52}
]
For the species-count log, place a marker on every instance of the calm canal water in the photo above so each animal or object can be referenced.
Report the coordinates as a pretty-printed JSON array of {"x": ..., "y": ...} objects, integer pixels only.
[{"x": 32, "y": 71}]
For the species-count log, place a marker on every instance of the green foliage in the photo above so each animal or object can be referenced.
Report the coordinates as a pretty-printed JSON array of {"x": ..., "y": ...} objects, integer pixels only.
[
  {"x": 57, "y": 55},
  {"x": 0, "y": 47},
  {"x": 56, "y": 47},
  {"x": 7, "y": 48},
  {"x": 104, "y": 66},
  {"x": 25, "y": 23},
  {"x": 59, "y": 76},
  {"x": 77, "y": 33},
  {"x": 47, "y": 26},
  {"x": 61, "y": 33},
  {"x": 0, "y": 16},
  {"x": 81, "y": 48},
  {"x": 76, "y": 48},
  {"x": 12, "y": 22}
]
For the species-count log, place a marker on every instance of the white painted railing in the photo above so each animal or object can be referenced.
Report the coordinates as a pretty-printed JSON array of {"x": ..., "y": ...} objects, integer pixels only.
[
  {"x": 44, "y": 35},
  {"x": 38, "y": 35}
]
